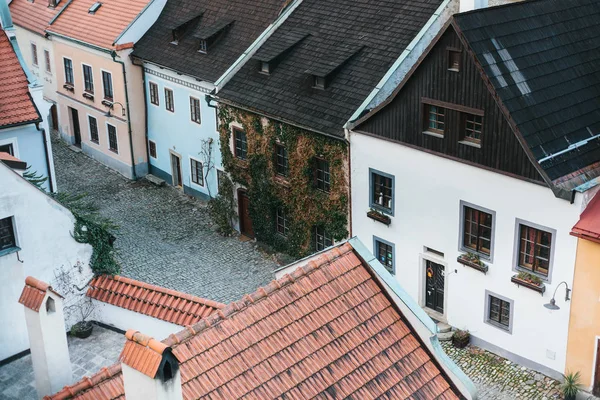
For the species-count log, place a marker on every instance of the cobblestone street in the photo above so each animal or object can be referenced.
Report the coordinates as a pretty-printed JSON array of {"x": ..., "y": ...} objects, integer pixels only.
[{"x": 165, "y": 237}]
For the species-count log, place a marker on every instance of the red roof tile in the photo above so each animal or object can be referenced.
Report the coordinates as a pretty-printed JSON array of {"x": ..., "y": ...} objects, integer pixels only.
[
  {"x": 588, "y": 226},
  {"x": 155, "y": 301},
  {"x": 33, "y": 15},
  {"x": 16, "y": 104},
  {"x": 33, "y": 293},
  {"x": 325, "y": 330},
  {"x": 142, "y": 353},
  {"x": 101, "y": 28}
]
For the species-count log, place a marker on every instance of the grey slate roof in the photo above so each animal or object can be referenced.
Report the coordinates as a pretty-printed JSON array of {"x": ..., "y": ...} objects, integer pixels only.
[
  {"x": 248, "y": 20},
  {"x": 543, "y": 59},
  {"x": 373, "y": 33}
]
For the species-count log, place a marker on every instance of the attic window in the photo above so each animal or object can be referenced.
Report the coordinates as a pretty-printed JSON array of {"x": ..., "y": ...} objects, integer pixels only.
[
  {"x": 53, "y": 3},
  {"x": 318, "y": 82},
  {"x": 203, "y": 46},
  {"x": 454, "y": 56},
  {"x": 94, "y": 7},
  {"x": 264, "y": 67}
]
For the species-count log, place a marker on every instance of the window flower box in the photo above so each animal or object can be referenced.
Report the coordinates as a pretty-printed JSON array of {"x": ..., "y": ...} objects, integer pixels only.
[
  {"x": 529, "y": 281},
  {"x": 68, "y": 87},
  {"x": 107, "y": 103},
  {"x": 88, "y": 96},
  {"x": 472, "y": 260},
  {"x": 379, "y": 217}
]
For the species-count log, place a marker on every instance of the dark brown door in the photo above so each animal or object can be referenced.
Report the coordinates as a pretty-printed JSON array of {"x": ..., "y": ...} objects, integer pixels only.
[
  {"x": 245, "y": 221},
  {"x": 76, "y": 129},
  {"x": 54, "y": 115},
  {"x": 434, "y": 286},
  {"x": 596, "y": 389},
  {"x": 176, "y": 170}
]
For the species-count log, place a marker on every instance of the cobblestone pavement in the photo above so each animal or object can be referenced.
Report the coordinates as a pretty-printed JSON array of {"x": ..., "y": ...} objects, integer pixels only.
[
  {"x": 165, "y": 237},
  {"x": 499, "y": 379},
  {"x": 87, "y": 357}
]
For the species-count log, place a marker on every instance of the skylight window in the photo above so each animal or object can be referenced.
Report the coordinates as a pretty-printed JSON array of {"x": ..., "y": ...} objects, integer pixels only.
[{"x": 94, "y": 7}]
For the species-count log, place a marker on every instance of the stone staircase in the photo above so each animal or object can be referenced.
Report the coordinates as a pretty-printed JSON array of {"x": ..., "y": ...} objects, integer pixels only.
[{"x": 445, "y": 332}]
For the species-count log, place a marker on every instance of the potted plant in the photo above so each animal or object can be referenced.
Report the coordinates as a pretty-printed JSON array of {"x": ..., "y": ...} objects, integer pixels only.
[
  {"x": 83, "y": 328},
  {"x": 530, "y": 281},
  {"x": 472, "y": 260},
  {"x": 571, "y": 385},
  {"x": 379, "y": 216},
  {"x": 460, "y": 339}
]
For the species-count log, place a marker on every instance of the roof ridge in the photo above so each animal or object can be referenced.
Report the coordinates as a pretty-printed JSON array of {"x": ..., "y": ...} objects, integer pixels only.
[
  {"x": 149, "y": 286},
  {"x": 173, "y": 340},
  {"x": 87, "y": 382}
]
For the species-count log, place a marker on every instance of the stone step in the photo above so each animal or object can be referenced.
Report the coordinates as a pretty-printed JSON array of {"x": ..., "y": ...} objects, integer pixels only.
[
  {"x": 445, "y": 337},
  {"x": 155, "y": 180},
  {"x": 444, "y": 328}
]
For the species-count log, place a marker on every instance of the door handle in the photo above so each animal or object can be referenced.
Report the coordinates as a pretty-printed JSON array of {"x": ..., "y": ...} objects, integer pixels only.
[{"x": 429, "y": 293}]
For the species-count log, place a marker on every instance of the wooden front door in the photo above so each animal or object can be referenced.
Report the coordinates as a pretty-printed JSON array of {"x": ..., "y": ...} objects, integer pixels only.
[
  {"x": 76, "y": 128},
  {"x": 176, "y": 170},
  {"x": 245, "y": 221},
  {"x": 596, "y": 388},
  {"x": 434, "y": 286}
]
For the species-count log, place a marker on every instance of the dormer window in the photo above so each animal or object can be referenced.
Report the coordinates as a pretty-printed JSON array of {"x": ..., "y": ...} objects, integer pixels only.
[
  {"x": 94, "y": 7},
  {"x": 53, "y": 3},
  {"x": 318, "y": 82},
  {"x": 203, "y": 46},
  {"x": 264, "y": 68}
]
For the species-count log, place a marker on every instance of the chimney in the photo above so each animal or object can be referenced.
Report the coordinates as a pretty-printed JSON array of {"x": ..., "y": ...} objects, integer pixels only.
[
  {"x": 150, "y": 370},
  {"x": 47, "y": 336}
]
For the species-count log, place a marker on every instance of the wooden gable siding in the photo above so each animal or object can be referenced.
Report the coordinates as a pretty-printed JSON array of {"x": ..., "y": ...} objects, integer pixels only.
[{"x": 402, "y": 119}]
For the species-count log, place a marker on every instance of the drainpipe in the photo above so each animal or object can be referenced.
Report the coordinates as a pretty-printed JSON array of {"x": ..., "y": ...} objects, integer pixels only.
[
  {"x": 48, "y": 165},
  {"x": 145, "y": 114},
  {"x": 114, "y": 55}
]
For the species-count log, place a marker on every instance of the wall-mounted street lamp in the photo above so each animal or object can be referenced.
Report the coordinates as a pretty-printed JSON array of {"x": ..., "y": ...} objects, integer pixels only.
[
  {"x": 552, "y": 305},
  {"x": 112, "y": 106}
]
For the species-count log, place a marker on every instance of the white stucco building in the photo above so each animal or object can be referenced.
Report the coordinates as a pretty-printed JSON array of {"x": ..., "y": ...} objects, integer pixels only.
[
  {"x": 451, "y": 162},
  {"x": 35, "y": 239}
]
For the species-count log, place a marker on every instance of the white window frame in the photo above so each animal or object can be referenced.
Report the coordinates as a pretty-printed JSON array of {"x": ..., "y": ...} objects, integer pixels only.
[
  {"x": 150, "y": 83},
  {"x": 108, "y": 138},
  {"x": 165, "y": 94},
  {"x": 196, "y": 123},
  {"x": 14, "y": 142},
  {"x": 34, "y": 60},
  {"x": 192, "y": 183},
  {"x": 48, "y": 63},
  {"x": 65, "y": 72},
  {"x": 112, "y": 87},
  {"x": 83, "y": 79},
  {"x": 90, "y": 129},
  {"x": 156, "y": 147}
]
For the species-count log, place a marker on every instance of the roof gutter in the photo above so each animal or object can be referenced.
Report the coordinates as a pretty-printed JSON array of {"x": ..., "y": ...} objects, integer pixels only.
[
  {"x": 80, "y": 42},
  {"x": 416, "y": 47},
  {"x": 250, "y": 51}
]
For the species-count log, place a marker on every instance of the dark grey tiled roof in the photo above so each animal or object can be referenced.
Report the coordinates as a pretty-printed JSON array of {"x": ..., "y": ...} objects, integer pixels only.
[
  {"x": 373, "y": 33},
  {"x": 247, "y": 21},
  {"x": 543, "y": 59}
]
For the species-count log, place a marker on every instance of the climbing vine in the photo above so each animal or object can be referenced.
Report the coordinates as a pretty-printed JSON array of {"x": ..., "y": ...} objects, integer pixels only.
[{"x": 304, "y": 205}]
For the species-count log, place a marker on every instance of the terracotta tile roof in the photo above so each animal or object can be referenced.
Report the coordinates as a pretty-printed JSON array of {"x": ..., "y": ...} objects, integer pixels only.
[
  {"x": 155, "y": 301},
  {"x": 325, "y": 330},
  {"x": 33, "y": 15},
  {"x": 107, "y": 384},
  {"x": 16, "y": 104},
  {"x": 588, "y": 226},
  {"x": 33, "y": 293},
  {"x": 143, "y": 353},
  {"x": 101, "y": 28},
  {"x": 12, "y": 161}
]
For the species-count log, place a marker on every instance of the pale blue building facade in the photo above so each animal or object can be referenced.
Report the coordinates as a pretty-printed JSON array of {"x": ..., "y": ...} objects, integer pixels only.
[{"x": 177, "y": 133}]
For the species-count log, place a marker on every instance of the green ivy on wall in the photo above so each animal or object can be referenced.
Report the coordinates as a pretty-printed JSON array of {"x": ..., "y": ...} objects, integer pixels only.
[{"x": 304, "y": 205}]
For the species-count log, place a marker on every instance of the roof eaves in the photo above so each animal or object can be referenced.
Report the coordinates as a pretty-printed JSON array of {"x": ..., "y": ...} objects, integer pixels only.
[
  {"x": 133, "y": 21},
  {"x": 253, "y": 48},
  {"x": 81, "y": 42}
]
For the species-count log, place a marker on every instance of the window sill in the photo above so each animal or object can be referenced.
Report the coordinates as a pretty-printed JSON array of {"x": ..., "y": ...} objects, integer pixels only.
[
  {"x": 8, "y": 251},
  {"x": 503, "y": 328},
  {"x": 453, "y": 69},
  {"x": 95, "y": 141},
  {"x": 481, "y": 268},
  {"x": 69, "y": 87},
  {"x": 381, "y": 209},
  {"x": 541, "y": 288},
  {"x": 114, "y": 151},
  {"x": 434, "y": 134},
  {"x": 471, "y": 144},
  {"x": 282, "y": 180},
  {"x": 89, "y": 96}
]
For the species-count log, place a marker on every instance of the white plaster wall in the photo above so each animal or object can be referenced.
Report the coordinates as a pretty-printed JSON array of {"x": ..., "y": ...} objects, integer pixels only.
[
  {"x": 428, "y": 191},
  {"x": 47, "y": 79},
  {"x": 142, "y": 23},
  {"x": 43, "y": 229},
  {"x": 124, "y": 319}
]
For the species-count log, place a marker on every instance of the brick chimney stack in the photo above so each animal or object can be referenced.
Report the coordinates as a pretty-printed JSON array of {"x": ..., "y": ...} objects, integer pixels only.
[
  {"x": 150, "y": 370},
  {"x": 47, "y": 336}
]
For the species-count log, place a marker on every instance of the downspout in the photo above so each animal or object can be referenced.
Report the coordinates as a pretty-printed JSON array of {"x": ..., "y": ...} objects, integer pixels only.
[
  {"x": 48, "y": 165},
  {"x": 349, "y": 183},
  {"x": 145, "y": 114},
  {"x": 114, "y": 55}
]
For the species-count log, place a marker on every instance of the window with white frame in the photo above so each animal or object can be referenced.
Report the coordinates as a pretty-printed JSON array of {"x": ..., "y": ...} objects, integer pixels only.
[
  {"x": 8, "y": 239},
  {"x": 153, "y": 88},
  {"x": 381, "y": 191},
  {"x": 88, "y": 79},
  {"x": 47, "y": 61},
  {"x": 281, "y": 222},
  {"x": 113, "y": 144},
  {"x": 34, "y": 54},
  {"x": 169, "y": 102},
  {"x": 107, "y": 85},
  {"x": 152, "y": 148},
  {"x": 68, "y": 64},
  {"x": 321, "y": 239},
  {"x": 93, "y": 123},
  {"x": 197, "y": 172},
  {"x": 195, "y": 109}
]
